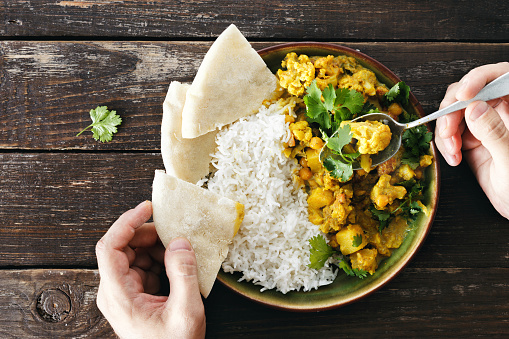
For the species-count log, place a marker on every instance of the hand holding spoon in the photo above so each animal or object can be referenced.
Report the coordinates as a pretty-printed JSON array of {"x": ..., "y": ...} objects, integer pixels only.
[{"x": 496, "y": 89}]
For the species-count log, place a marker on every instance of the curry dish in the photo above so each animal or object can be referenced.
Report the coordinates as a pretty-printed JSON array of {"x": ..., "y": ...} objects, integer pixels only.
[{"x": 366, "y": 217}]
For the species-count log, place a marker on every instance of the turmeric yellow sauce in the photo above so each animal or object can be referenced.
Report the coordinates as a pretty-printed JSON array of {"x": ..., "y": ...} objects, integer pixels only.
[{"x": 345, "y": 211}]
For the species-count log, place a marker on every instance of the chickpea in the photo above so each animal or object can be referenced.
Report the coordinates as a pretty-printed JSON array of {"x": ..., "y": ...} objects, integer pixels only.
[
  {"x": 395, "y": 109},
  {"x": 316, "y": 143},
  {"x": 303, "y": 162},
  {"x": 305, "y": 173},
  {"x": 289, "y": 118}
]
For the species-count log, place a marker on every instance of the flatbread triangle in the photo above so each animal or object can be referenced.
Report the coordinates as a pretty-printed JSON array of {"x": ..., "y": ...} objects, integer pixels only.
[
  {"x": 232, "y": 82},
  {"x": 208, "y": 220},
  {"x": 186, "y": 159}
]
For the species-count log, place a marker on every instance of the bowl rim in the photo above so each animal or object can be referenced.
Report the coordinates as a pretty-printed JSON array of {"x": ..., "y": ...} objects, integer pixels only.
[{"x": 339, "y": 49}]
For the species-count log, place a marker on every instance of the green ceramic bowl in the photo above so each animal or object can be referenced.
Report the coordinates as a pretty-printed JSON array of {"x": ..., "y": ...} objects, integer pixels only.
[{"x": 345, "y": 289}]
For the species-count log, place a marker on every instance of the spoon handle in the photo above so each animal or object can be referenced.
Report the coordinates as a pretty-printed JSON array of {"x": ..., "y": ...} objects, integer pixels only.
[{"x": 495, "y": 89}]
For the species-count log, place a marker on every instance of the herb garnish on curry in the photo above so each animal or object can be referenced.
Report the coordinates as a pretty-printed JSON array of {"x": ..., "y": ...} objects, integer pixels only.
[{"x": 365, "y": 214}]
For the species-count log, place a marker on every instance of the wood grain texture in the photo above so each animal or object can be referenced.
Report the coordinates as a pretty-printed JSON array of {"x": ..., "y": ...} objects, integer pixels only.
[
  {"x": 419, "y": 302},
  {"x": 60, "y": 193},
  {"x": 48, "y": 88},
  {"x": 55, "y": 206},
  {"x": 445, "y": 20},
  {"x": 51, "y": 304}
]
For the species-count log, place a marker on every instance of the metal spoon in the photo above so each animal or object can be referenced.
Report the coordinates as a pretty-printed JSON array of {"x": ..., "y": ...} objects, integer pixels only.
[{"x": 495, "y": 89}]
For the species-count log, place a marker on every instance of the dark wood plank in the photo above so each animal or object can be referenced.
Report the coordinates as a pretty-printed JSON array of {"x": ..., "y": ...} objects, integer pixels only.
[
  {"x": 51, "y": 304},
  {"x": 47, "y": 88},
  {"x": 293, "y": 20},
  {"x": 439, "y": 302},
  {"x": 55, "y": 206}
]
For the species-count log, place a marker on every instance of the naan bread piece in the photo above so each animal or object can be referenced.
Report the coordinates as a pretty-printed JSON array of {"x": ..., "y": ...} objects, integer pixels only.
[
  {"x": 232, "y": 82},
  {"x": 208, "y": 220},
  {"x": 186, "y": 159}
]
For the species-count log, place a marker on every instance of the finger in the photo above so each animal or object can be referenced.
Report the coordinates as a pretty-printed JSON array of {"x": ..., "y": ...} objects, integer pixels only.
[
  {"x": 488, "y": 127},
  {"x": 452, "y": 159},
  {"x": 157, "y": 253},
  {"x": 447, "y": 125},
  {"x": 111, "y": 258},
  {"x": 130, "y": 254},
  {"x": 143, "y": 259},
  {"x": 477, "y": 78},
  {"x": 123, "y": 230},
  {"x": 149, "y": 281},
  {"x": 145, "y": 236},
  {"x": 469, "y": 141},
  {"x": 182, "y": 273}
]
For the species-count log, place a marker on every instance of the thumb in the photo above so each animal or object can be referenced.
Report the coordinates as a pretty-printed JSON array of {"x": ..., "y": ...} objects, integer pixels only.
[
  {"x": 486, "y": 124},
  {"x": 182, "y": 272}
]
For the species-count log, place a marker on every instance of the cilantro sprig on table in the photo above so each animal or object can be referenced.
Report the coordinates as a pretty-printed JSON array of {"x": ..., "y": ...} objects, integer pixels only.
[
  {"x": 321, "y": 251},
  {"x": 104, "y": 123}
]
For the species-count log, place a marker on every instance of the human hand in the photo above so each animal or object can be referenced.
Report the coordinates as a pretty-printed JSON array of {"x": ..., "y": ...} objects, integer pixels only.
[
  {"x": 481, "y": 131},
  {"x": 129, "y": 259}
]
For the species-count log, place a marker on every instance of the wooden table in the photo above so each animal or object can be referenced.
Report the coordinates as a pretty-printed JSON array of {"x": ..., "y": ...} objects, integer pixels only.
[{"x": 59, "y": 193}]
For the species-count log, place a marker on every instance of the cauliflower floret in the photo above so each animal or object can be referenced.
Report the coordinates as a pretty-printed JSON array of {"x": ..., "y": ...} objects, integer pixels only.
[
  {"x": 372, "y": 136},
  {"x": 363, "y": 81},
  {"x": 425, "y": 160},
  {"x": 406, "y": 172},
  {"x": 328, "y": 72},
  {"x": 365, "y": 259},
  {"x": 301, "y": 131},
  {"x": 383, "y": 193},
  {"x": 299, "y": 73}
]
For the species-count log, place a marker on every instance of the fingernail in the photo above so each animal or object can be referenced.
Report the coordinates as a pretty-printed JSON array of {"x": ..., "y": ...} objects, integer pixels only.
[
  {"x": 452, "y": 159},
  {"x": 180, "y": 244},
  {"x": 479, "y": 110},
  {"x": 142, "y": 203}
]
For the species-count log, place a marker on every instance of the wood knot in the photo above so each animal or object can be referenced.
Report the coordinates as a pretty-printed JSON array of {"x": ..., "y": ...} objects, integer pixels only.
[{"x": 53, "y": 305}]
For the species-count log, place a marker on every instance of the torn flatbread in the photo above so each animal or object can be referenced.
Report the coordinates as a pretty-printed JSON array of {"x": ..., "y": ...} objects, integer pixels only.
[
  {"x": 186, "y": 159},
  {"x": 208, "y": 220},
  {"x": 232, "y": 82}
]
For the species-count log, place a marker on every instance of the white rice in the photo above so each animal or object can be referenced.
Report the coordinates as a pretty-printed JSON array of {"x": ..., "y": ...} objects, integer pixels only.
[{"x": 271, "y": 248}]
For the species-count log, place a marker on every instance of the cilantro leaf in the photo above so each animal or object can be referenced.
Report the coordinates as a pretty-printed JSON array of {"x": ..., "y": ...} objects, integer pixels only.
[
  {"x": 329, "y": 98},
  {"x": 342, "y": 104},
  {"x": 104, "y": 123},
  {"x": 320, "y": 251},
  {"x": 361, "y": 274},
  {"x": 410, "y": 208},
  {"x": 348, "y": 103},
  {"x": 416, "y": 142},
  {"x": 357, "y": 240},
  {"x": 398, "y": 93},
  {"x": 369, "y": 108},
  {"x": 413, "y": 187},
  {"x": 340, "y": 168},
  {"x": 340, "y": 139},
  {"x": 382, "y": 216},
  {"x": 316, "y": 110}
]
